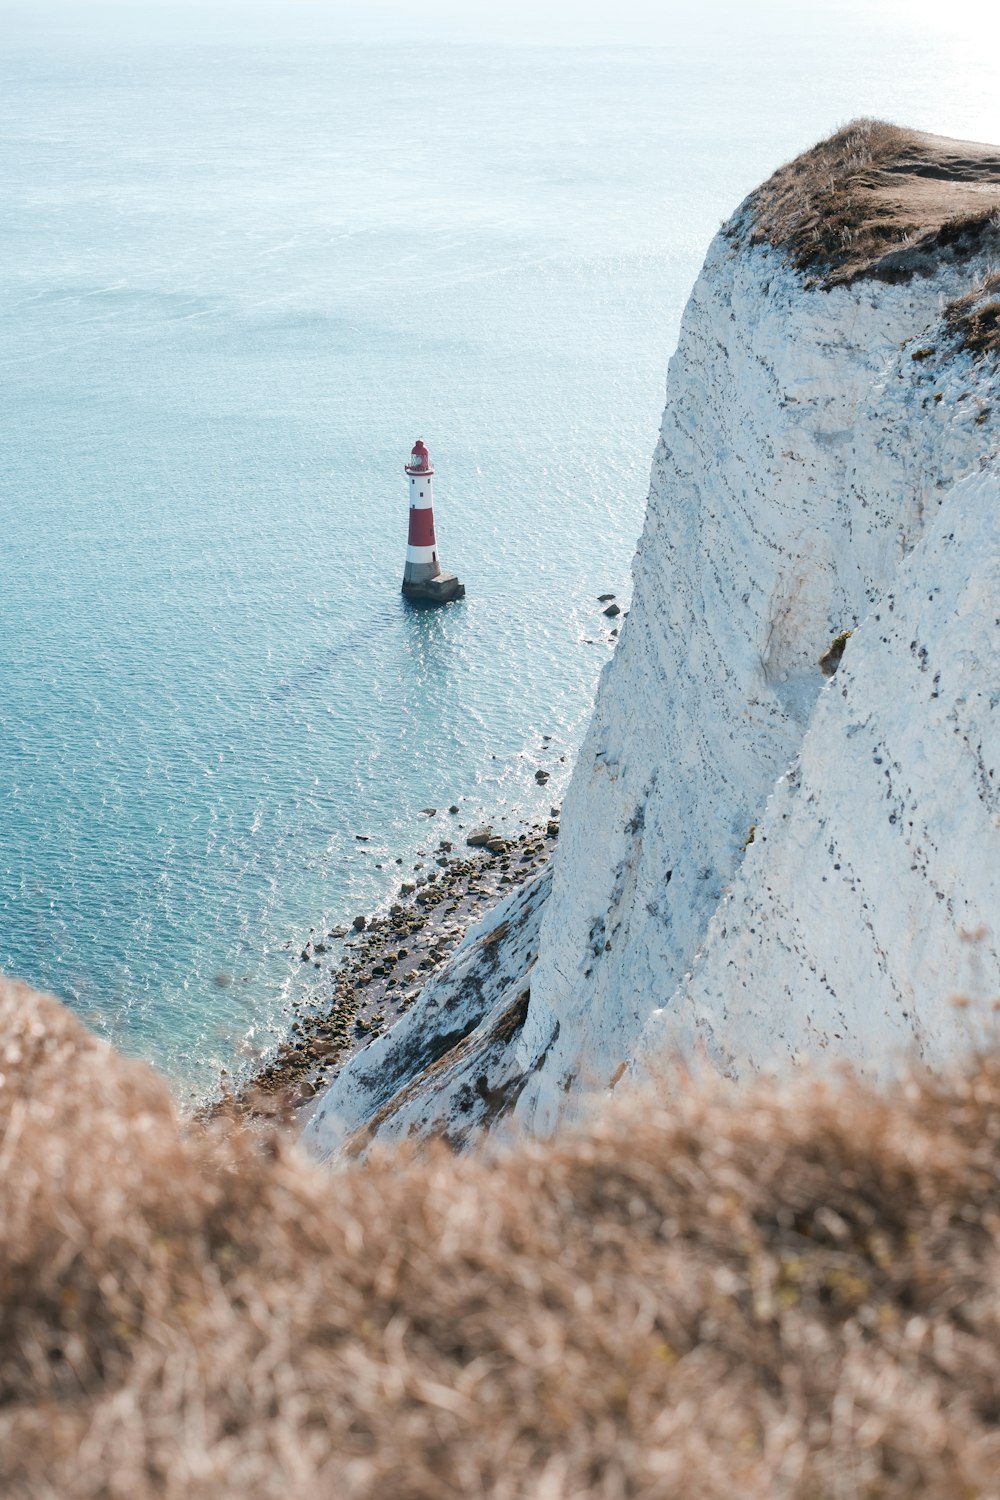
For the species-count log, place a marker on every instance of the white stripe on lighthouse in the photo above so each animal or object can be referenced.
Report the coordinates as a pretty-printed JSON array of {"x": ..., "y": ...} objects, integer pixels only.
[{"x": 420, "y": 554}]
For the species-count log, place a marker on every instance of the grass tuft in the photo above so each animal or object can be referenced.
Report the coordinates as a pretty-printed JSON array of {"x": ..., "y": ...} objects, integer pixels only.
[
  {"x": 878, "y": 200},
  {"x": 974, "y": 319},
  {"x": 833, "y": 655}
]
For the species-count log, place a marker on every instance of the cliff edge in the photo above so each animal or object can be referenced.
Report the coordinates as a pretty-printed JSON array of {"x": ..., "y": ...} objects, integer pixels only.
[{"x": 758, "y": 862}]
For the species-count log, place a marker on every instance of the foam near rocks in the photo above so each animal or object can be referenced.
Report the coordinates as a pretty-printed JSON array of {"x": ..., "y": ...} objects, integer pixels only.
[{"x": 365, "y": 987}]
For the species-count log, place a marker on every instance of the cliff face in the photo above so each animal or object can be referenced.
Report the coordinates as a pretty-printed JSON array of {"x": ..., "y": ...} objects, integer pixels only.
[
  {"x": 863, "y": 919},
  {"x": 827, "y": 462}
]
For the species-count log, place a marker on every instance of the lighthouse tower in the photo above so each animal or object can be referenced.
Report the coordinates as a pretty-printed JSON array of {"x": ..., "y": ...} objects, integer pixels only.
[{"x": 424, "y": 579}]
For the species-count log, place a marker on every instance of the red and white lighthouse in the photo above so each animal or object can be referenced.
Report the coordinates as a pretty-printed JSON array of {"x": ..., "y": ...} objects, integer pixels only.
[{"x": 424, "y": 578}]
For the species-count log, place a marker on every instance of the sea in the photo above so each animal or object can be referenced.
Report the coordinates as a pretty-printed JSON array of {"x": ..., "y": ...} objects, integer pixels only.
[{"x": 241, "y": 271}]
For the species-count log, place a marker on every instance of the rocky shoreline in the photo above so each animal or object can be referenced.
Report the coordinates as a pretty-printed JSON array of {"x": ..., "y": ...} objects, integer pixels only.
[{"x": 386, "y": 961}]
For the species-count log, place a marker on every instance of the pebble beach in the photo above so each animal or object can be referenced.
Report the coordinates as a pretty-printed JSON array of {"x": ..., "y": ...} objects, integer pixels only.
[{"x": 374, "y": 971}]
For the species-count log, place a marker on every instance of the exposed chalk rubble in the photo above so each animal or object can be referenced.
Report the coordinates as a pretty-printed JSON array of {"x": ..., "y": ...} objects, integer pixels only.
[{"x": 451, "y": 1064}]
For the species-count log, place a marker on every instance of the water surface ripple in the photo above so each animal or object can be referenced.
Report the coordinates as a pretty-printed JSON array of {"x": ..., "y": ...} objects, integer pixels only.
[{"x": 237, "y": 282}]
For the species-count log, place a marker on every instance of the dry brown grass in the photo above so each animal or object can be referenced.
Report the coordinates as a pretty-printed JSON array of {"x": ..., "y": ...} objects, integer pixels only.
[
  {"x": 975, "y": 318},
  {"x": 776, "y": 1293},
  {"x": 877, "y": 200}
]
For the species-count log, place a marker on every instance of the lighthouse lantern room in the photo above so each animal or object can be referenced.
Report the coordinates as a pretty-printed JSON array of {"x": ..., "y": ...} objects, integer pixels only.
[{"x": 424, "y": 579}]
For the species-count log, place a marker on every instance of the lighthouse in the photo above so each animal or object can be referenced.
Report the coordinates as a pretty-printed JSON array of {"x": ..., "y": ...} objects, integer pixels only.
[{"x": 424, "y": 579}]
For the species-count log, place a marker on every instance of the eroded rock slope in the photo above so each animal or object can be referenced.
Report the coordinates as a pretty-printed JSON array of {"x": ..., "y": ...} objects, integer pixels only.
[{"x": 827, "y": 462}]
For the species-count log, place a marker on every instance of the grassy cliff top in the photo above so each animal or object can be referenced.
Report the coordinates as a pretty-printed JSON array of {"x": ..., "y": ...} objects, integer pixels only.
[{"x": 877, "y": 200}]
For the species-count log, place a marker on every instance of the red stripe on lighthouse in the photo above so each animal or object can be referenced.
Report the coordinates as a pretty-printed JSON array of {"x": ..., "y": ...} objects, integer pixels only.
[{"x": 421, "y": 527}]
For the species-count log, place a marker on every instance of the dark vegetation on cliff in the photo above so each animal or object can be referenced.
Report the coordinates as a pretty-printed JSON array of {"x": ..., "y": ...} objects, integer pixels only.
[
  {"x": 877, "y": 200},
  {"x": 776, "y": 1293},
  {"x": 975, "y": 318}
]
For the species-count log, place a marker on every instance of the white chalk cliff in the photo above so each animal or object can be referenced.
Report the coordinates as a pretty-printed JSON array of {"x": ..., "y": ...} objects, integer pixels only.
[{"x": 829, "y": 460}]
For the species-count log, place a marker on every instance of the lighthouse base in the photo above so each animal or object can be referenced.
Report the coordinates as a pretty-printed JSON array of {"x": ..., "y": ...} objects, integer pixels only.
[{"x": 440, "y": 590}]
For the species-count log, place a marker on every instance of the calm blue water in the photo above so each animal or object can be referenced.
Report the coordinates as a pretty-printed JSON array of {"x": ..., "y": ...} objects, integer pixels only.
[{"x": 238, "y": 279}]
